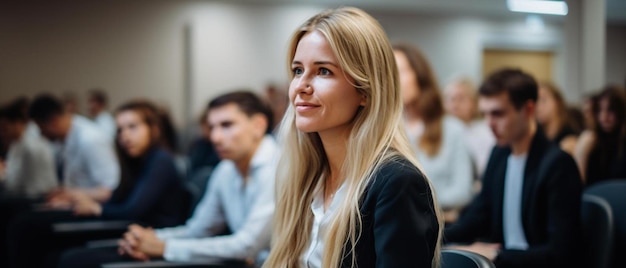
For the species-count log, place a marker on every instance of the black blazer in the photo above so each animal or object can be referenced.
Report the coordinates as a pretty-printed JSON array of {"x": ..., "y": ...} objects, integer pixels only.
[
  {"x": 551, "y": 198},
  {"x": 399, "y": 226}
]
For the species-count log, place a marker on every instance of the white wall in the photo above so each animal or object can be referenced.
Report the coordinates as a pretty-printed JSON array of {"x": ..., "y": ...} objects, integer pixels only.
[
  {"x": 241, "y": 46},
  {"x": 616, "y": 55},
  {"x": 138, "y": 48},
  {"x": 454, "y": 45}
]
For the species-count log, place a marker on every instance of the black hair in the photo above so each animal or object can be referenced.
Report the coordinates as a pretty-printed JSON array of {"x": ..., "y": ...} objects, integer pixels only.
[
  {"x": 44, "y": 107},
  {"x": 520, "y": 86},
  {"x": 248, "y": 102},
  {"x": 15, "y": 111}
]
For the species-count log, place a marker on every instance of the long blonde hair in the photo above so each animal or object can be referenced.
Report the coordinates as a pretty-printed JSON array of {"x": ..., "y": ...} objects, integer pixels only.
[{"x": 377, "y": 135}]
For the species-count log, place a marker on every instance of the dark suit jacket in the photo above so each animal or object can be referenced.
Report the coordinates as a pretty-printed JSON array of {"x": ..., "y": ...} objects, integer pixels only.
[
  {"x": 551, "y": 198},
  {"x": 399, "y": 226}
]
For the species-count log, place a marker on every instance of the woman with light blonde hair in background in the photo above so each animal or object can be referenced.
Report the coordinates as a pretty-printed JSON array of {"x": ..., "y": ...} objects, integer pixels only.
[
  {"x": 349, "y": 190},
  {"x": 461, "y": 101},
  {"x": 552, "y": 116}
]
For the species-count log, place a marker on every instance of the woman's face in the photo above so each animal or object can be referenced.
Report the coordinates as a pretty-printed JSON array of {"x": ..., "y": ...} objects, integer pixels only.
[
  {"x": 323, "y": 96},
  {"x": 408, "y": 79},
  {"x": 605, "y": 116},
  {"x": 546, "y": 106},
  {"x": 133, "y": 133}
]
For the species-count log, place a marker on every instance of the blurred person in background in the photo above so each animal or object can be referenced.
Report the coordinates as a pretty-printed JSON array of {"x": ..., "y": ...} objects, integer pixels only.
[
  {"x": 438, "y": 138},
  {"x": 553, "y": 118},
  {"x": 28, "y": 172},
  {"x": 528, "y": 211},
  {"x": 601, "y": 151},
  {"x": 150, "y": 192},
  {"x": 30, "y": 169},
  {"x": 461, "y": 101},
  {"x": 70, "y": 102},
  {"x": 587, "y": 110},
  {"x": 239, "y": 197},
  {"x": 97, "y": 102},
  {"x": 278, "y": 98},
  {"x": 85, "y": 160}
]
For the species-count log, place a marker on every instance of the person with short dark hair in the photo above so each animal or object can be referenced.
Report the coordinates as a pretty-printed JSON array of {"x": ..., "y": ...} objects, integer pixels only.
[
  {"x": 239, "y": 197},
  {"x": 86, "y": 160},
  {"x": 97, "y": 107},
  {"x": 529, "y": 207},
  {"x": 30, "y": 170}
]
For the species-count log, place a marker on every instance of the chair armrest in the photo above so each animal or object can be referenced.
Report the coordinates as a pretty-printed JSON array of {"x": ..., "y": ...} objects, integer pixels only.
[{"x": 90, "y": 226}]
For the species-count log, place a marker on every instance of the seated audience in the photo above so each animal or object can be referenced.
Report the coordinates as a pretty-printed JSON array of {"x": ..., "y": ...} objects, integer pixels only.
[
  {"x": 600, "y": 152},
  {"x": 150, "y": 191},
  {"x": 97, "y": 109},
  {"x": 552, "y": 116},
  {"x": 239, "y": 197},
  {"x": 528, "y": 211},
  {"x": 441, "y": 148},
  {"x": 86, "y": 160},
  {"x": 461, "y": 102},
  {"x": 30, "y": 170},
  {"x": 201, "y": 152}
]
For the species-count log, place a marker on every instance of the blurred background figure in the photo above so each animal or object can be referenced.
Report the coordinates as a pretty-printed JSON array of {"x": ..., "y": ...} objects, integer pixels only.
[
  {"x": 600, "y": 152},
  {"x": 97, "y": 103},
  {"x": 461, "y": 102},
  {"x": 278, "y": 99},
  {"x": 70, "y": 102},
  {"x": 587, "y": 111},
  {"x": 29, "y": 168},
  {"x": 438, "y": 139},
  {"x": 553, "y": 118},
  {"x": 202, "y": 157},
  {"x": 150, "y": 192},
  {"x": 85, "y": 160}
]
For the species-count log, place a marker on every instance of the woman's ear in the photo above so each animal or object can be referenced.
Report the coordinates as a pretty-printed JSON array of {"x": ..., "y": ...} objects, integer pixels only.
[{"x": 363, "y": 100}]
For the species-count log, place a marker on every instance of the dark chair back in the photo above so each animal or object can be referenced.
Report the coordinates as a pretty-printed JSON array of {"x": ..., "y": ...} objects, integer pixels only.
[
  {"x": 614, "y": 192},
  {"x": 597, "y": 223},
  {"x": 453, "y": 258}
]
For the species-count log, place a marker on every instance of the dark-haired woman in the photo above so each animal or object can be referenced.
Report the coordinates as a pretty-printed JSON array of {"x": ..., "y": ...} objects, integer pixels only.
[
  {"x": 150, "y": 191},
  {"x": 601, "y": 152}
]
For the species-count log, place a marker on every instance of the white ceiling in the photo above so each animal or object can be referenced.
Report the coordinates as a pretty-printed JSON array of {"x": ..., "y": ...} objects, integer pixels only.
[{"x": 616, "y": 9}]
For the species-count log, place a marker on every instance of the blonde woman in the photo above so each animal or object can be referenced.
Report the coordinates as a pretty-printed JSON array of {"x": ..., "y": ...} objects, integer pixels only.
[{"x": 350, "y": 193}]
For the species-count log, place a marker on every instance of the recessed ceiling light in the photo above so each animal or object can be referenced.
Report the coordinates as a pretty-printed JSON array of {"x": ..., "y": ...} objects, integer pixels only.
[{"x": 538, "y": 6}]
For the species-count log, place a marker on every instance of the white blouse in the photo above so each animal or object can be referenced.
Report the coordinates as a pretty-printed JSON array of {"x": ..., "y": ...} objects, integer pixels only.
[{"x": 314, "y": 255}]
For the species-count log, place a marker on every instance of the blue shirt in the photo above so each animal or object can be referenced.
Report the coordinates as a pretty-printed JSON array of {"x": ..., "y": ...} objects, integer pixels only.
[
  {"x": 246, "y": 209},
  {"x": 514, "y": 236}
]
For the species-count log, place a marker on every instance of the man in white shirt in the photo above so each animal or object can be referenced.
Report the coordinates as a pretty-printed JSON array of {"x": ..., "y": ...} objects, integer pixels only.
[
  {"x": 30, "y": 170},
  {"x": 239, "y": 196},
  {"x": 86, "y": 160},
  {"x": 97, "y": 107}
]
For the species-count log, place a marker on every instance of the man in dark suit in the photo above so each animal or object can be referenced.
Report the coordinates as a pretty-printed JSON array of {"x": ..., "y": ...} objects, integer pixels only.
[{"x": 528, "y": 212}]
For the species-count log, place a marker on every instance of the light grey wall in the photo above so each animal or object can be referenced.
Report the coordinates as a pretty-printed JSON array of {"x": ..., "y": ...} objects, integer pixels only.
[
  {"x": 132, "y": 49},
  {"x": 616, "y": 55},
  {"x": 138, "y": 48}
]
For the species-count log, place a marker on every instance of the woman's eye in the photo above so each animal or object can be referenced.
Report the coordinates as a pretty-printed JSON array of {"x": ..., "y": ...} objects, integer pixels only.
[
  {"x": 324, "y": 71},
  {"x": 297, "y": 71}
]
